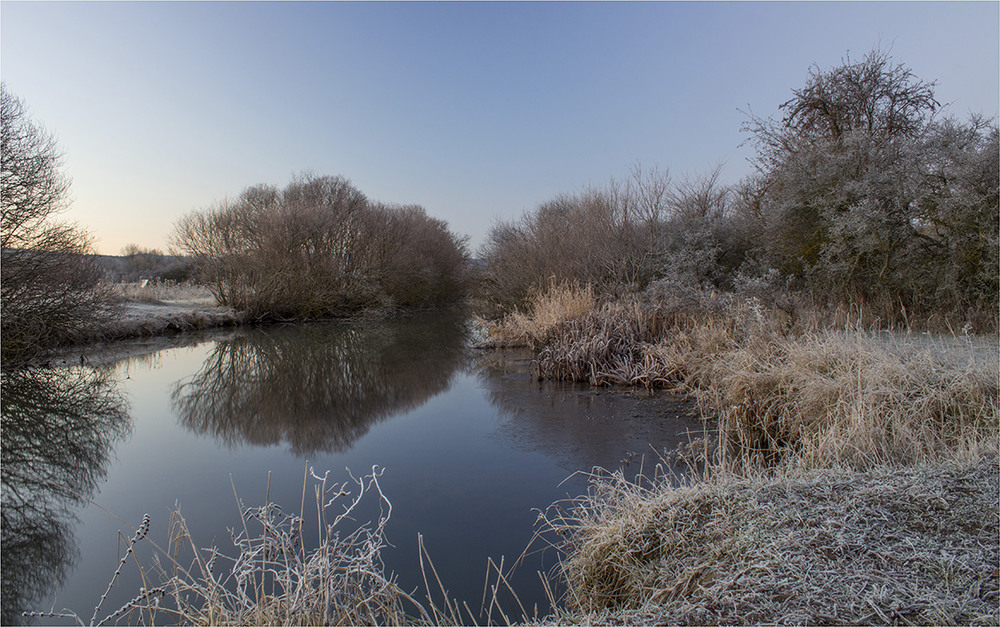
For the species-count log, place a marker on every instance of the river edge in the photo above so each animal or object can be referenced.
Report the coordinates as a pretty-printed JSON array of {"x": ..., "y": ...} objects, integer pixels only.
[
  {"x": 885, "y": 608},
  {"x": 144, "y": 327}
]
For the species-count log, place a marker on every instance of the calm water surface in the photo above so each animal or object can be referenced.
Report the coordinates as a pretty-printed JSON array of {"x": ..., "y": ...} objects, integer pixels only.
[{"x": 471, "y": 443}]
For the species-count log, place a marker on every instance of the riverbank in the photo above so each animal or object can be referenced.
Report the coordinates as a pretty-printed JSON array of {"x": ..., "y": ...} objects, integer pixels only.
[
  {"x": 851, "y": 478},
  {"x": 912, "y": 545},
  {"x": 160, "y": 324},
  {"x": 162, "y": 314}
]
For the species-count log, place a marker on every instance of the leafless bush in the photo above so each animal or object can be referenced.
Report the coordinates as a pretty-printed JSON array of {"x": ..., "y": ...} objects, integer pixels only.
[
  {"x": 319, "y": 247},
  {"x": 618, "y": 239},
  {"x": 601, "y": 237},
  {"x": 50, "y": 290}
]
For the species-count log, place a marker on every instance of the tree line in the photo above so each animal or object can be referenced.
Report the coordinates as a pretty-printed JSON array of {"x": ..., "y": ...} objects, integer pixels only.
[
  {"x": 864, "y": 193},
  {"x": 320, "y": 247}
]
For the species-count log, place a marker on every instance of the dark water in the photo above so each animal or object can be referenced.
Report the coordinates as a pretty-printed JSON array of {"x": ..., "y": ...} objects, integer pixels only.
[{"x": 472, "y": 445}]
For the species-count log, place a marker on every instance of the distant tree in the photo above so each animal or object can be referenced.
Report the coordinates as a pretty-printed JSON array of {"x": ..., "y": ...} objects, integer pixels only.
[
  {"x": 150, "y": 263},
  {"x": 132, "y": 250},
  {"x": 607, "y": 237},
  {"x": 49, "y": 292},
  {"x": 317, "y": 248}
]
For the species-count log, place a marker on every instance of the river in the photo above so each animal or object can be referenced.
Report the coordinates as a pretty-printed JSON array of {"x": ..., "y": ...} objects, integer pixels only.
[{"x": 471, "y": 445}]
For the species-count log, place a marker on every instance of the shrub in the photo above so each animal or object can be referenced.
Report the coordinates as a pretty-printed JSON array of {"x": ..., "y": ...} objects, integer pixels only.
[
  {"x": 868, "y": 198},
  {"x": 319, "y": 247}
]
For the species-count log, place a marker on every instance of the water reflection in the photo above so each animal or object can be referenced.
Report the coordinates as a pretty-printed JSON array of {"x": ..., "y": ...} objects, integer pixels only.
[
  {"x": 582, "y": 426},
  {"x": 59, "y": 428},
  {"x": 319, "y": 387}
]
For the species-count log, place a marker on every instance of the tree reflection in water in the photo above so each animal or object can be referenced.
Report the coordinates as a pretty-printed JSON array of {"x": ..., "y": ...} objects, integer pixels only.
[
  {"x": 319, "y": 387},
  {"x": 582, "y": 426},
  {"x": 59, "y": 429}
]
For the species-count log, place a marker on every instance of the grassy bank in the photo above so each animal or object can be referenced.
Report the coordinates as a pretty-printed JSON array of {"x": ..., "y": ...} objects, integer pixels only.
[
  {"x": 849, "y": 476},
  {"x": 916, "y": 545},
  {"x": 142, "y": 311},
  {"x": 783, "y": 389}
]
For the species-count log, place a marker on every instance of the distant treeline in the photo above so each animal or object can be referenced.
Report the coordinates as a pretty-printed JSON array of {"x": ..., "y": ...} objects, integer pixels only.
[
  {"x": 136, "y": 264},
  {"x": 864, "y": 197}
]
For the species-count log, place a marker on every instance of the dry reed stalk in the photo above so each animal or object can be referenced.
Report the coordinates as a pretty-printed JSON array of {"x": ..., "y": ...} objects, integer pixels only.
[
  {"x": 836, "y": 399},
  {"x": 549, "y": 308},
  {"x": 808, "y": 397},
  {"x": 274, "y": 579}
]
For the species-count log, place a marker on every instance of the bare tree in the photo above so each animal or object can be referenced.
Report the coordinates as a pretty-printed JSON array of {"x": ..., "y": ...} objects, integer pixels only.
[
  {"x": 50, "y": 291},
  {"x": 32, "y": 187},
  {"x": 609, "y": 238},
  {"x": 320, "y": 247}
]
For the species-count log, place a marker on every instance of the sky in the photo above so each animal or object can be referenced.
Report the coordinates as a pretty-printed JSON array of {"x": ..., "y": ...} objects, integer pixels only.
[{"x": 478, "y": 111}]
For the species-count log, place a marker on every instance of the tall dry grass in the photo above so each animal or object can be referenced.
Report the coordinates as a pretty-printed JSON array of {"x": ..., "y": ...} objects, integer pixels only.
[
  {"x": 274, "y": 578},
  {"x": 784, "y": 389},
  {"x": 835, "y": 399},
  {"x": 850, "y": 477},
  {"x": 547, "y": 310}
]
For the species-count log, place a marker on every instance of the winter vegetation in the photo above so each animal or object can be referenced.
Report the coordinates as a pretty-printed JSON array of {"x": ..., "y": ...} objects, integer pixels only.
[
  {"x": 842, "y": 478},
  {"x": 319, "y": 247},
  {"x": 912, "y": 545},
  {"x": 865, "y": 198},
  {"x": 49, "y": 290},
  {"x": 273, "y": 579},
  {"x": 848, "y": 473}
]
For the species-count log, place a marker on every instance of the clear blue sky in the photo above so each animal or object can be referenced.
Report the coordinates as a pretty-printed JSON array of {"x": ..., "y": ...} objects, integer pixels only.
[{"x": 476, "y": 111}]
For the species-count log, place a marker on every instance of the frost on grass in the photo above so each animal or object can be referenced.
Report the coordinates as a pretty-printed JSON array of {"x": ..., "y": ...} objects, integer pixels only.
[
  {"x": 911, "y": 545},
  {"x": 272, "y": 575}
]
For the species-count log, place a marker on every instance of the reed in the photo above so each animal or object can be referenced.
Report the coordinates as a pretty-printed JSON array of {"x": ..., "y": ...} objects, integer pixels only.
[
  {"x": 273, "y": 578},
  {"x": 852, "y": 477},
  {"x": 786, "y": 390},
  {"x": 548, "y": 310},
  {"x": 837, "y": 399}
]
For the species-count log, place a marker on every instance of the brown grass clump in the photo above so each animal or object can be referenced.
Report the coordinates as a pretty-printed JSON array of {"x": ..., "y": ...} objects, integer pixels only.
[
  {"x": 913, "y": 545},
  {"x": 848, "y": 399},
  {"x": 786, "y": 393},
  {"x": 549, "y": 309}
]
